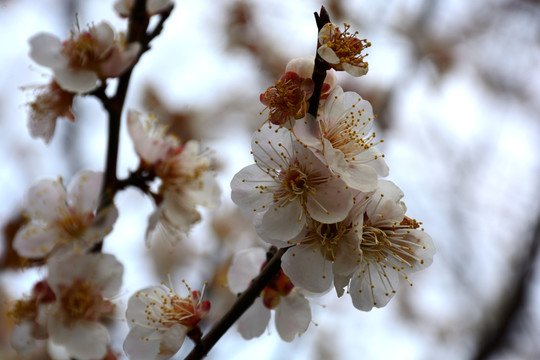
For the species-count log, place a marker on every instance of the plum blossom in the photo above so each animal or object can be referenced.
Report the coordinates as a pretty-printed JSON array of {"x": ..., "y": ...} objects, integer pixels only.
[
  {"x": 343, "y": 140},
  {"x": 292, "y": 310},
  {"x": 324, "y": 251},
  {"x": 30, "y": 317},
  {"x": 123, "y": 7},
  {"x": 393, "y": 245},
  {"x": 343, "y": 50},
  {"x": 85, "y": 57},
  {"x": 64, "y": 220},
  {"x": 288, "y": 98},
  {"x": 83, "y": 285},
  {"x": 159, "y": 320},
  {"x": 186, "y": 175},
  {"x": 50, "y": 103},
  {"x": 286, "y": 185},
  {"x": 304, "y": 68}
]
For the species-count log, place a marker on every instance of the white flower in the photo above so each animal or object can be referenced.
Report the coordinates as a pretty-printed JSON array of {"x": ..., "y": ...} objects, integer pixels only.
[
  {"x": 82, "y": 284},
  {"x": 159, "y": 321},
  {"x": 123, "y": 7},
  {"x": 186, "y": 175},
  {"x": 51, "y": 103},
  {"x": 343, "y": 139},
  {"x": 86, "y": 57},
  {"x": 287, "y": 184},
  {"x": 326, "y": 250},
  {"x": 392, "y": 246},
  {"x": 64, "y": 219},
  {"x": 342, "y": 50},
  {"x": 293, "y": 313}
]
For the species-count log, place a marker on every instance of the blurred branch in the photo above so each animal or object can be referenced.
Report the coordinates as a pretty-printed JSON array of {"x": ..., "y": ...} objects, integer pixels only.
[{"x": 496, "y": 338}]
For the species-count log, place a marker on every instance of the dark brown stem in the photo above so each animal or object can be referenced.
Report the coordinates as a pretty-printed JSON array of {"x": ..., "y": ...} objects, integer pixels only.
[
  {"x": 320, "y": 67},
  {"x": 244, "y": 302}
]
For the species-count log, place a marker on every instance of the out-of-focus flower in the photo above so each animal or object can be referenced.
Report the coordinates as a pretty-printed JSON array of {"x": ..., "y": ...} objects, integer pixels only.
[
  {"x": 343, "y": 50},
  {"x": 288, "y": 98},
  {"x": 64, "y": 220},
  {"x": 82, "y": 283},
  {"x": 50, "y": 103},
  {"x": 287, "y": 184},
  {"x": 326, "y": 250},
  {"x": 293, "y": 313},
  {"x": 185, "y": 171},
  {"x": 343, "y": 139},
  {"x": 123, "y": 7},
  {"x": 159, "y": 320},
  {"x": 392, "y": 246},
  {"x": 85, "y": 57},
  {"x": 30, "y": 316},
  {"x": 304, "y": 68}
]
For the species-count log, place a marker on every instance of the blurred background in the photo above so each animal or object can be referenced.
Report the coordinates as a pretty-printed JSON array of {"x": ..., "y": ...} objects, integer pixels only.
[{"x": 455, "y": 85}]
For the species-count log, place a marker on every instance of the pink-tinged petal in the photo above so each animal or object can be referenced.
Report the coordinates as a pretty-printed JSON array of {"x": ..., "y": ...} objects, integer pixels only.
[
  {"x": 293, "y": 316},
  {"x": 302, "y": 66},
  {"x": 46, "y": 50},
  {"x": 46, "y": 200},
  {"x": 373, "y": 286},
  {"x": 42, "y": 125},
  {"x": 328, "y": 54},
  {"x": 119, "y": 60},
  {"x": 35, "y": 241},
  {"x": 282, "y": 223},
  {"x": 307, "y": 268},
  {"x": 83, "y": 340},
  {"x": 84, "y": 191},
  {"x": 247, "y": 189},
  {"x": 77, "y": 81},
  {"x": 245, "y": 266},
  {"x": 331, "y": 202},
  {"x": 254, "y": 321},
  {"x": 355, "y": 70}
]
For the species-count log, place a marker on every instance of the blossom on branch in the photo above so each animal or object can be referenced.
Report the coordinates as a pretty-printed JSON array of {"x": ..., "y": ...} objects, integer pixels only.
[
  {"x": 64, "y": 220},
  {"x": 292, "y": 310},
  {"x": 85, "y": 57},
  {"x": 50, "y": 103},
  {"x": 287, "y": 185},
  {"x": 343, "y": 139},
  {"x": 304, "y": 68},
  {"x": 186, "y": 175},
  {"x": 343, "y": 50},
  {"x": 159, "y": 320},
  {"x": 83, "y": 285},
  {"x": 153, "y": 7}
]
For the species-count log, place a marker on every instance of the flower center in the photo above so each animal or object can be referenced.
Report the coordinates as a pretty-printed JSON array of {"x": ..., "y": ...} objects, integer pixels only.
[
  {"x": 82, "y": 300},
  {"x": 279, "y": 286},
  {"x": 82, "y": 50},
  {"x": 329, "y": 236},
  {"x": 348, "y": 47},
  {"x": 74, "y": 225}
]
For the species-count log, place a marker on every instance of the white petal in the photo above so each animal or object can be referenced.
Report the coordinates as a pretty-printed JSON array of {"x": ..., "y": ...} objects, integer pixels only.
[
  {"x": 84, "y": 191},
  {"x": 328, "y": 54},
  {"x": 245, "y": 266},
  {"x": 331, "y": 202},
  {"x": 143, "y": 343},
  {"x": 46, "y": 200},
  {"x": 36, "y": 241},
  {"x": 293, "y": 316},
  {"x": 355, "y": 70},
  {"x": 348, "y": 254},
  {"x": 46, "y": 50},
  {"x": 103, "y": 33},
  {"x": 307, "y": 268},
  {"x": 386, "y": 203},
  {"x": 282, "y": 223},
  {"x": 22, "y": 339},
  {"x": 246, "y": 189},
  {"x": 340, "y": 283},
  {"x": 77, "y": 81},
  {"x": 254, "y": 321},
  {"x": 271, "y": 146},
  {"x": 83, "y": 340},
  {"x": 373, "y": 286}
]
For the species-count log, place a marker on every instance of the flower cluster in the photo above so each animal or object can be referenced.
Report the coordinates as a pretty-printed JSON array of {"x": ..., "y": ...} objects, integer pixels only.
[
  {"x": 186, "y": 175},
  {"x": 316, "y": 188}
]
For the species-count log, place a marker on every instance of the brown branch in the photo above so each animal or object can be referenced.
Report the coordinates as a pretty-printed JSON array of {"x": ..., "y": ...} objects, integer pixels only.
[{"x": 244, "y": 302}]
